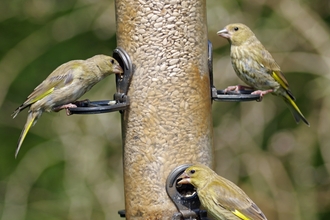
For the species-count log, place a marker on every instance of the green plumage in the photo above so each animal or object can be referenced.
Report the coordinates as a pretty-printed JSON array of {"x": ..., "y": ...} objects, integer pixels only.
[
  {"x": 64, "y": 85},
  {"x": 221, "y": 197},
  {"x": 255, "y": 66}
]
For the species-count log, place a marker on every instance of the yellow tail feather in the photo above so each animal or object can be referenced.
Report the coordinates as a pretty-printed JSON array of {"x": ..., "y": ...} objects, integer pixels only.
[
  {"x": 29, "y": 122},
  {"x": 294, "y": 109}
]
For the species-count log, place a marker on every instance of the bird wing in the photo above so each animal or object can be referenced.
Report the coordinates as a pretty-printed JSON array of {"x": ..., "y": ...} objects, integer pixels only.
[
  {"x": 60, "y": 77},
  {"x": 274, "y": 70},
  {"x": 266, "y": 60},
  {"x": 279, "y": 77},
  {"x": 240, "y": 205}
]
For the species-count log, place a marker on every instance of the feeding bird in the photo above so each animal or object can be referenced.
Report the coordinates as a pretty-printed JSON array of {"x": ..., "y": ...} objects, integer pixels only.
[
  {"x": 63, "y": 87},
  {"x": 222, "y": 198}
]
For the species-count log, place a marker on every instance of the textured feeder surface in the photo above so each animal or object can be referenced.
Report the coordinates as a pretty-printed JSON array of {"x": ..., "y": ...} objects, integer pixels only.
[{"x": 169, "y": 119}]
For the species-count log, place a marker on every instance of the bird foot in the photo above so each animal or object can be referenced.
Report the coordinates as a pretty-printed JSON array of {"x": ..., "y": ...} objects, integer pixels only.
[
  {"x": 262, "y": 93},
  {"x": 237, "y": 88},
  {"x": 82, "y": 103},
  {"x": 66, "y": 107}
]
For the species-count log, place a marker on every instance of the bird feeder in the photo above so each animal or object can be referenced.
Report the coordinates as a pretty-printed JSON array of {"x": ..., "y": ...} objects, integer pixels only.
[
  {"x": 165, "y": 97},
  {"x": 168, "y": 121}
]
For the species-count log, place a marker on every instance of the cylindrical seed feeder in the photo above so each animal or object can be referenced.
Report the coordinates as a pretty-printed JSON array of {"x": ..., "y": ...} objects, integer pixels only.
[{"x": 169, "y": 121}]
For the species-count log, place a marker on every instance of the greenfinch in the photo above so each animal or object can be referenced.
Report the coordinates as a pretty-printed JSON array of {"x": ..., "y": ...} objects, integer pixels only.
[
  {"x": 256, "y": 67},
  {"x": 65, "y": 85},
  {"x": 220, "y": 197}
]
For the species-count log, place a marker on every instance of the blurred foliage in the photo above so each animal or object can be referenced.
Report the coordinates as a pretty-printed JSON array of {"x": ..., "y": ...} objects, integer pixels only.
[
  {"x": 71, "y": 168},
  {"x": 284, "y": 167}
]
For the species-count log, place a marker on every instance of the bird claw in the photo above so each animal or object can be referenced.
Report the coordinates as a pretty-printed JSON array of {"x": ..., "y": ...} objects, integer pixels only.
[
  {"x": 241, "y": 88},
  {"x": 66, "y": 107},
  {"x": 230, "y": 88},
  {"x": 237, "y": 88},
  {"x": 262, "y": 92},
  {"x": 68, "y": 112}
]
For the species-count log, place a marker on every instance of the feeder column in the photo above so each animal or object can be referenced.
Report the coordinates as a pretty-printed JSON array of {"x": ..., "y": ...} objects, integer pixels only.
[{"x": 168, "y": 122}]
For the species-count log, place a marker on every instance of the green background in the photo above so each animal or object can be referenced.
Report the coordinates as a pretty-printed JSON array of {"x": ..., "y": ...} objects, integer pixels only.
[{"x": 71, "y": 167}]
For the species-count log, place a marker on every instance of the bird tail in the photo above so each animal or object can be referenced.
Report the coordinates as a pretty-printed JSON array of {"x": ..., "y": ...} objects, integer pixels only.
[
  {"x": 294, "y": 109},
  {"x": 31, "y": 120},
  {"x": 15, "y": 113},
  {"x": 18, "y": 110}
]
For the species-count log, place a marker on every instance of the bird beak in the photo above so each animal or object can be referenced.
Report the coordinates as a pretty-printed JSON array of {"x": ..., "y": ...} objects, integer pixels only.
[
  {"x": 185, "y": 179},
  {"x": 118, "y": 70},
  {"x": 224, "y": 33}
]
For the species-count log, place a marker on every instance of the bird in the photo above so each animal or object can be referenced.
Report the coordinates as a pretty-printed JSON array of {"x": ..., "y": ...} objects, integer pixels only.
[
  {"x": 255, "y": 66},
  {"x": 220, "y": 197},
  {"x": 63, "y": 87}
]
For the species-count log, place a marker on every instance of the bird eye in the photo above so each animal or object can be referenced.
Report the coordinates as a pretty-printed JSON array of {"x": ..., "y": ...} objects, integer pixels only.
[
  {"x": 112, "y": 61},
  {"x": 192, "y": 171},
  {"x": 235, "y": 28}
]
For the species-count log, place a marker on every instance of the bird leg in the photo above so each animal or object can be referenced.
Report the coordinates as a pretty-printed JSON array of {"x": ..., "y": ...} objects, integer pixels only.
[
  {"x": 66, "y": 107},
  {"x": 237, "y": 88},
  {"x": 261, "y": 93}
]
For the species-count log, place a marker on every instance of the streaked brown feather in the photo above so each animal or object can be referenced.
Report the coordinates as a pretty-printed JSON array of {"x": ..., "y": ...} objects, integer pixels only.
[{"x": 255, "y": 66}]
